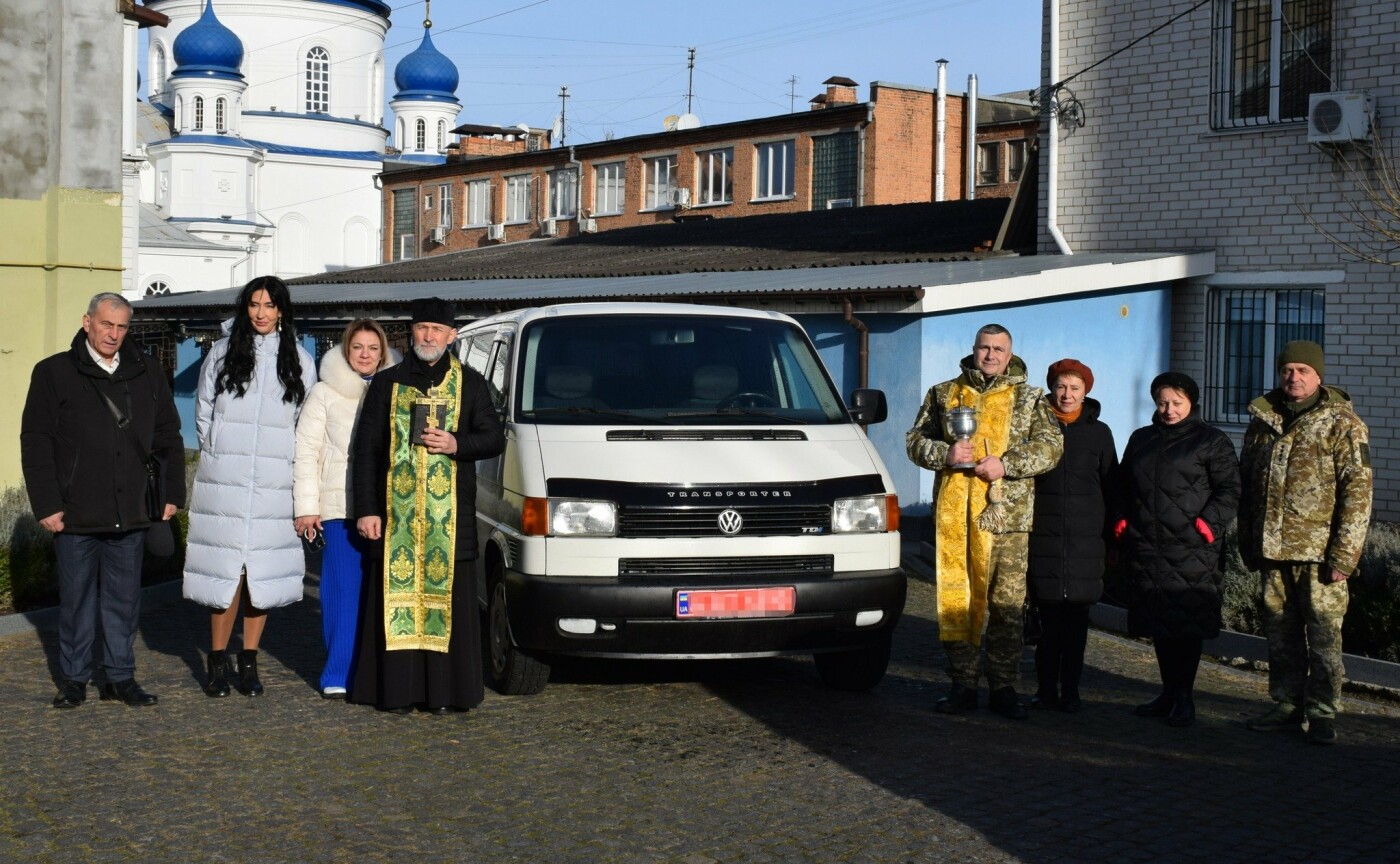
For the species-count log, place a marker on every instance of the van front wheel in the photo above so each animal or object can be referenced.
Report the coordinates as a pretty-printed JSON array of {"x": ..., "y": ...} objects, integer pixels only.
[
  {"x": 513, "y": 673},
  {"x": 859, "y": 669}
]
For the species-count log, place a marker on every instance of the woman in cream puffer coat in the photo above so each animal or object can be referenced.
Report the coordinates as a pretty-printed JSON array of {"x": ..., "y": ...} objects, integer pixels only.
[{"x": 320, "y": 486}]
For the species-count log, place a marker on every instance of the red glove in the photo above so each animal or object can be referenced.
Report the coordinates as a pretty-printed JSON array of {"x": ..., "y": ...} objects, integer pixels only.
[
  {"x": 1204, "y": 530},
  {"x": 1118, "y": 528}
]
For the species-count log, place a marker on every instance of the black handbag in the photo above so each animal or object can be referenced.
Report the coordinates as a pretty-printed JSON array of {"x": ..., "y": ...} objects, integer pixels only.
[{"x": 155, "y": 469}]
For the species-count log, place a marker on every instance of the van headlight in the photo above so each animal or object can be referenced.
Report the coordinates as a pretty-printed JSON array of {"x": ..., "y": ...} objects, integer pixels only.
[
  {"x": 865, "y": 514},
  {"x": 569, "y": 518}
]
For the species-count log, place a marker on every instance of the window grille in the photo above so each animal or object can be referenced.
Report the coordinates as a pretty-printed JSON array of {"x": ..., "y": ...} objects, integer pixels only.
[
  {"x": 1270, "y": 55},
  {"x": 1245, "y": 330}
]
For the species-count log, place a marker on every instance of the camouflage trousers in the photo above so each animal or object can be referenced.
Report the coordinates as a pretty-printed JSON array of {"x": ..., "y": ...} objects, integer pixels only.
[
  {"x": 1006, "y": 597},
  {"x": 1302, "y": 618}
]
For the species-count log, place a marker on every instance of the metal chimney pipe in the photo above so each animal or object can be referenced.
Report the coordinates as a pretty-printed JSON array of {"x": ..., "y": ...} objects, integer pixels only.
[
  {"x": 970, "y": 147},
  {"x": 940, "y": 157}
]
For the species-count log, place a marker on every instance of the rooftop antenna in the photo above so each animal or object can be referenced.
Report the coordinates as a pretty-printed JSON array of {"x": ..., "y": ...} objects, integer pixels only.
[
  {"x": 792, "y": 94},
  {"x": 690, "y": 83}
]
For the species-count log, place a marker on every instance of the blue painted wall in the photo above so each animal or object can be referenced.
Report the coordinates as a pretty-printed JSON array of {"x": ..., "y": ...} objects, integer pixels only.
[{"x": 1123, "y": 336}]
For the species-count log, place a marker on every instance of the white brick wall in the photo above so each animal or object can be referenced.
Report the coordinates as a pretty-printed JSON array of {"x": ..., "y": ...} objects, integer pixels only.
[{"x": 1148, "y": 173}]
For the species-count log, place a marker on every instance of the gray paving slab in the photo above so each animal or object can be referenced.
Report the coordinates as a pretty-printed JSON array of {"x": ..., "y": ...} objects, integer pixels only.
[{"x": 684, "y": 762}]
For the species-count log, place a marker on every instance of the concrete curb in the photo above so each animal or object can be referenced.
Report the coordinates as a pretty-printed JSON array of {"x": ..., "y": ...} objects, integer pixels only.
[{"x": 1364, "y": 674}]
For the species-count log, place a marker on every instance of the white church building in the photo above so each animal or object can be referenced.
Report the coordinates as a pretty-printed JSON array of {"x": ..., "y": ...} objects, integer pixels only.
[{"x": 259, "y": 143}]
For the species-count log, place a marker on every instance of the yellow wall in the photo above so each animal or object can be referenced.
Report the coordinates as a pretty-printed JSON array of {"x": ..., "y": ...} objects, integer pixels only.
[{"x": 55, "y": 254}]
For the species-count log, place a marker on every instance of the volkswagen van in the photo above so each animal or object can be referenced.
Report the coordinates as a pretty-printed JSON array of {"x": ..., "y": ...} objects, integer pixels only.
[{"x": 678, "y": 482}]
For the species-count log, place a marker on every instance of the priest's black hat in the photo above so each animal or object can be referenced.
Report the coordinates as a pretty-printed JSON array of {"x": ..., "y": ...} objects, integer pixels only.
[{"x": 433, "y": 310}]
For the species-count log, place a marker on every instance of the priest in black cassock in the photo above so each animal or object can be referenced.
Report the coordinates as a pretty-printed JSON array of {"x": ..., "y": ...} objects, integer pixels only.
[{"x": 423, "y": 425}]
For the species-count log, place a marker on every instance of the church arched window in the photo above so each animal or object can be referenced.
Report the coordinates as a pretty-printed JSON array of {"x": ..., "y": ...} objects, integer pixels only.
[
  {"x": 158, "y": 70},
  {"x": 318, "y": 81},
  {"x": 199, "y": 113},
  {"x": 400, "y": 137},
  {"x": 221, "y": 114},
  {"x": 442, "y": 135},
  {"x": 157, "y": 288},
  {"x": 421, "y": 136}
]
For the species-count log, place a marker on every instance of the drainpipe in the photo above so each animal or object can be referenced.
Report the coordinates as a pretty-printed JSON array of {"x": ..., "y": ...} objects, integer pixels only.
[
  {"x": 1052, "y": 148},
  {"x": 860, "y": 157},
  {"x": 940, "y": 156},
  {"x": 970, "y": 137},
  {"x": 859, "y": 327},
  {"x": 578, "y": 190}
]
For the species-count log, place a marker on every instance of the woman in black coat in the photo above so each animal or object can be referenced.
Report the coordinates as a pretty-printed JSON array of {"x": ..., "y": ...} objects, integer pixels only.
[
  {"x": 1179, "y": 486},
  {"x": 1067, "y": 540}
]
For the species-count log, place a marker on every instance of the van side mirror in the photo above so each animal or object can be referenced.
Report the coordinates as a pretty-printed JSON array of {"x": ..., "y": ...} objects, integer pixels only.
[{"x": 868, "y": 406}]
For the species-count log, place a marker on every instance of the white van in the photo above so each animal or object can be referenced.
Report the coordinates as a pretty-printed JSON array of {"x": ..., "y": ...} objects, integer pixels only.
[{"x": 679, "y": 482}]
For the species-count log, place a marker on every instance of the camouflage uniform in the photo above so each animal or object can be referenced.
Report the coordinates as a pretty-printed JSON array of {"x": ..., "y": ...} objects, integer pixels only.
[
  {"x": 1305, "y": 511},
  {"x": 1035, "y": 445}
]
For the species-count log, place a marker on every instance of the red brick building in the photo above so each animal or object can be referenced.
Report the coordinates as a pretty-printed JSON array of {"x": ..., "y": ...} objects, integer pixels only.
[{"x": 504, "y": 185}]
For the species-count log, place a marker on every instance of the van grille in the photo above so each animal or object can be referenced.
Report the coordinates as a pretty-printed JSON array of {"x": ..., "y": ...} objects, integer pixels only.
[
  {"x": 759, "y": 521},
  {"x": 766, "y": 566}
]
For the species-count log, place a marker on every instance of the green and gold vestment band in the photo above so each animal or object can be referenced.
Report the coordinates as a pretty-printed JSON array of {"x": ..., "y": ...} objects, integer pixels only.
[{"x": 420, "y": 534}]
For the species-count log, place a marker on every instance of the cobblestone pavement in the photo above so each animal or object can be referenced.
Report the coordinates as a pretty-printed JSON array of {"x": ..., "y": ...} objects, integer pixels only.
[{"x": 690, "y": 763}]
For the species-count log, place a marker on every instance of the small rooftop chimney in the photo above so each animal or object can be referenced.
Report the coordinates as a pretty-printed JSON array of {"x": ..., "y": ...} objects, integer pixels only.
[{"x": 840, "y": 91}]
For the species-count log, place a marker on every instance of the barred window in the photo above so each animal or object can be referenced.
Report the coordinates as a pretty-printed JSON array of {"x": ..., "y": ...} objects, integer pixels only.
[
  {"x": 1270, "y": 55},
  {"x": 1246, "y": 328}
]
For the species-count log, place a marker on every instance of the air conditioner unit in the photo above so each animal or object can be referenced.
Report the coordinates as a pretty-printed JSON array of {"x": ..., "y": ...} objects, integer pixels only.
[
  {"x": 588, "y": 225},
  {"x": 549, "y": 228},
  {"x": 496, "y": 232},
  {"x": 439, "y": 234},
  {"x": 1340, "y": 118},
  {"x": 679, "y": 197}
]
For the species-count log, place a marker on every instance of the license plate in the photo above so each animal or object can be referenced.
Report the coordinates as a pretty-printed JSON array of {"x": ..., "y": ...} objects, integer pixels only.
[{"x": 737, "y": 603}]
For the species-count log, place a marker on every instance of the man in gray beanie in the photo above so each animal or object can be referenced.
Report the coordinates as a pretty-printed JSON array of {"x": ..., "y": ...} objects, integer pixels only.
[{"x": 1303, "y": 521}]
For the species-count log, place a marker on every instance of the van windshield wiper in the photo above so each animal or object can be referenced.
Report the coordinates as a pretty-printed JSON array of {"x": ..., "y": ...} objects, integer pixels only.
[
  {"x": 727, "y": 413},
  {"x": 579, "y": 410}
]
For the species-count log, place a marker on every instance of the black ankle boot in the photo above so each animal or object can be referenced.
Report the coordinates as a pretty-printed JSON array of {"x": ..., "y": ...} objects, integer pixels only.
[
  {"x": 1183, "y": 711},
  {"x": 1159, "y": 707},
  {"x": 220, "y": 669},
  {"x": 248, "y": 683}
]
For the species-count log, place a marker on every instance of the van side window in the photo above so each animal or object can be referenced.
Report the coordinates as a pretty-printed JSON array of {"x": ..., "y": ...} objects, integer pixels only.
[
  {"x": 496, "y": 381},
  {"x": 478, "y": 350}
]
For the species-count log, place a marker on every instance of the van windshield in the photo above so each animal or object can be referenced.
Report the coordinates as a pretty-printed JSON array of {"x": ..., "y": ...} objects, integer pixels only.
[{"x": 671, "y": 370}]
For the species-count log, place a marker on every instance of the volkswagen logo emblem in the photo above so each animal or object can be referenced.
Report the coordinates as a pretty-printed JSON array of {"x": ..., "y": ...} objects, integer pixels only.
[{"x": 730, "y": 522}]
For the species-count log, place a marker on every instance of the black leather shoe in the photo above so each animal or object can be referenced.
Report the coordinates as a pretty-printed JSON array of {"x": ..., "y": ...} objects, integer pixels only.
[
  {"x": 1071, "y": 706},
  {"x": 129, "y": 692},
  {"x": 1159, "y": 707},
  {"x": 1005, "y": 702},
  {"x": 1044, "y": 703},
  {"x": 71, "y": 694},
  {"x": 248, "y": 683},
  {"x": 443, "y": 710},
  {"x": 220, "y": 670},
  {"x": 958, "y": 700},
  {"x": 400, "y": 709},
  {"x": 1183, "y": 711}
]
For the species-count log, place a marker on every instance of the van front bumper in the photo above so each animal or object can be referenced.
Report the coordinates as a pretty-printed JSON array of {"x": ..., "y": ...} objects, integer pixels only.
[{"x": 636, "y": 618}]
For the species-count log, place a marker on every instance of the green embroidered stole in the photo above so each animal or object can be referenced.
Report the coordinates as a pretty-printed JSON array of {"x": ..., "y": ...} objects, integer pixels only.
[{"x": 420, "y": 535}]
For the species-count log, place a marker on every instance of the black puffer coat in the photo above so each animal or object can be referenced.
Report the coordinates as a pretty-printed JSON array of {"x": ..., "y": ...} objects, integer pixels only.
[
  {"x": 1071, "y": 514},
  {"x": 1170, "y": 476}
]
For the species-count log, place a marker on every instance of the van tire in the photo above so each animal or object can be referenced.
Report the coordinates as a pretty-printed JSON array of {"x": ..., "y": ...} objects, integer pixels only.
[
  {"x": 855, "y": 670},
  {"x": 511, "y": 671}
]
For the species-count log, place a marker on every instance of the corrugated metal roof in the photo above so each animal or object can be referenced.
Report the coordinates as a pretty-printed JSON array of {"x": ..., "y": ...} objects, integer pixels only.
[{"x": 155, "y": 231}]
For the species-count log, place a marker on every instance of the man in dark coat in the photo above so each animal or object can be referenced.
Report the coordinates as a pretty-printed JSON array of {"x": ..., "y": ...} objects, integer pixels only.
[
  {"x": 413, "y": 482},
  {"x": 93, "y": 416}
]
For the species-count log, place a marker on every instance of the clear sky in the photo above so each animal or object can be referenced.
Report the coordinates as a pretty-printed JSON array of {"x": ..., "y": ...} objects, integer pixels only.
[{"x": 624, "y": 61}]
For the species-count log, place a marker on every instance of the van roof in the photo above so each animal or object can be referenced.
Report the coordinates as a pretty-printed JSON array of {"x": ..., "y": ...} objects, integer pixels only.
[{"x": 524, "y": 316}]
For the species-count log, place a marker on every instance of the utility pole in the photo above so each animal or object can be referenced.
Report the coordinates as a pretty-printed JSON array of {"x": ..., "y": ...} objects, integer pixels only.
[
  {"x": 792, "y": 94},
  {"x": 690, "y": 83}
]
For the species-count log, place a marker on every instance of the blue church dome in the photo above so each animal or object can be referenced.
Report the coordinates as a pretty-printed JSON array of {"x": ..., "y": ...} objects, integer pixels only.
[
  {"x": 426, "y": 74},
  {"x": 207, "y": 49}
]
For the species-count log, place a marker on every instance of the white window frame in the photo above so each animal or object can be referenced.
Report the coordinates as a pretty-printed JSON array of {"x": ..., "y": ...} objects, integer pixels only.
[
  {"x": 775, "y": 164},
  {"x": 609, "y": 188},
  {"x": 156, "y": 288},
  {"x": 198, "y": 111},
  {"x": 716, "y": 186},
  {"x": 420, "y": 135},
  {"x": 563, "y": 193},
  {"x": 660, "y": 179},
  {"x": 517, "y": 199},
  {"x": 221, "y": 115},
  {"x": 445, "y": 205},
  {"x": 442, "y": 135},
  {"x": 158, "y": 71},
  {"x": 476, "y": 208},
  {"x": 318, "y": 81}
]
